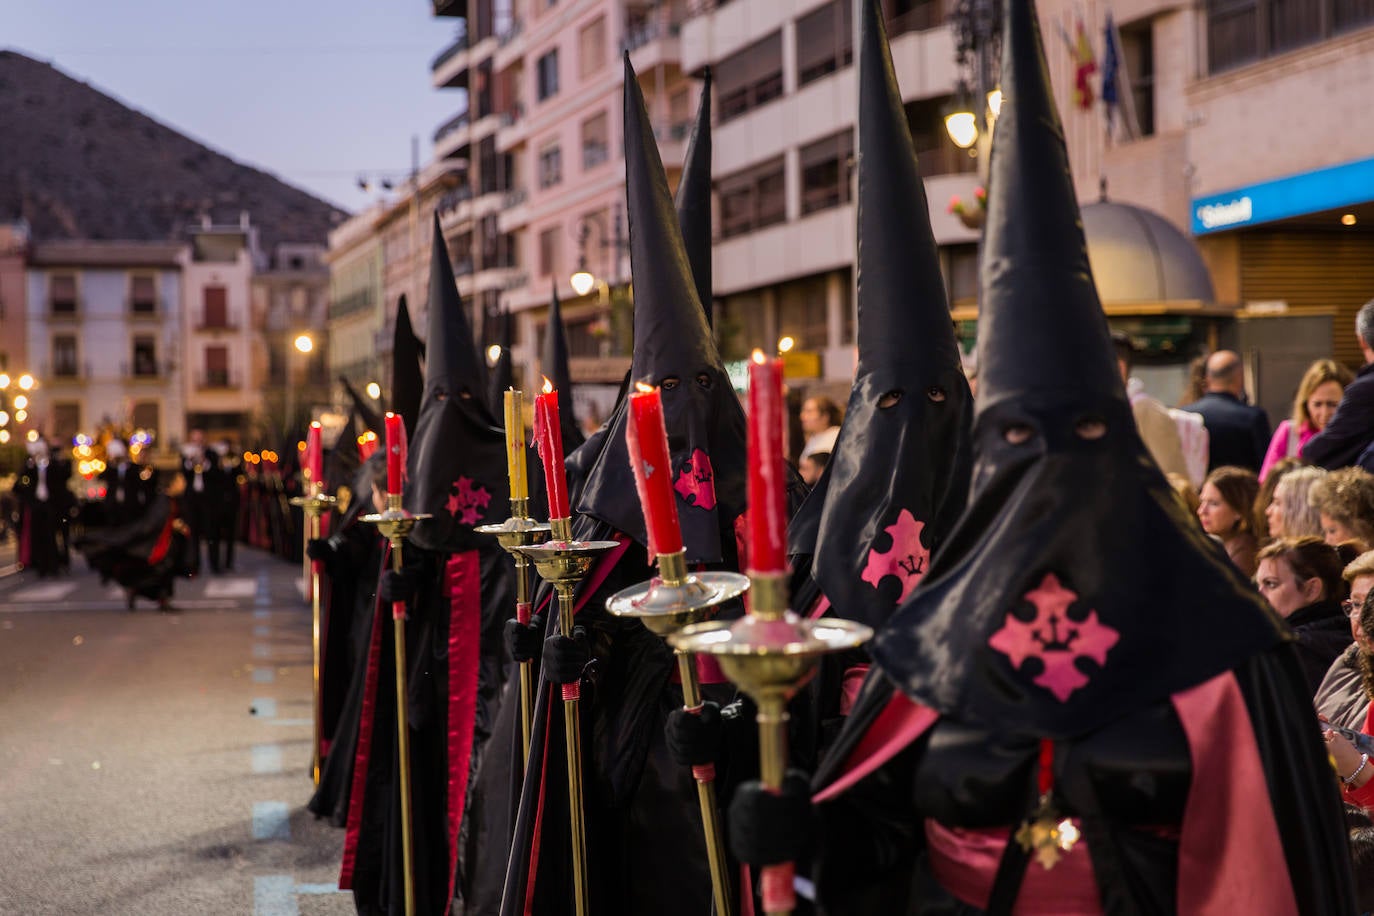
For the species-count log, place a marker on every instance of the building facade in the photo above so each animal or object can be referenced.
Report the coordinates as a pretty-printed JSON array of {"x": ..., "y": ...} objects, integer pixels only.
[{"x": 105, "y": 337}]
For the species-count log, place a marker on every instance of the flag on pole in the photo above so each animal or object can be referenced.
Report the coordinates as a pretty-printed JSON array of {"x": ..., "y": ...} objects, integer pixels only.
[
  {"x": 1085, "y": 66},
  {"x": 1111, "y": 63}
]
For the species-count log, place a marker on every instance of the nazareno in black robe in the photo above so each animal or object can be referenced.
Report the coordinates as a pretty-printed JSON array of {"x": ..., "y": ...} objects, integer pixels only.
[{"x": 1078, "y": 637}]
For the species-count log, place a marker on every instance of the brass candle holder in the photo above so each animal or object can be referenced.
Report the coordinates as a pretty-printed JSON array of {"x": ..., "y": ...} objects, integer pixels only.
[
  {"x": 314, "y": 505},
  {"x": 514, "y": 533},
  {"x": 563, "y": 562},
  {"x": 667, "y": 603},
  {"x": 395, "y": 525},
  {"x": 770, "y": 654}
]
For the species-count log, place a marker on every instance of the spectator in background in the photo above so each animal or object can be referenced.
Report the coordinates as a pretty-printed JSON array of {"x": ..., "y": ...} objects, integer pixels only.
[
  {"x": 1157, "y": 428},
  {"x": 1341, "y": 698},
  {"x": 1185, "y": 491},
  {"x": 1344, "y": 503},
  {"x": 1301, "y": 580},
  {"x": 1225, "y": 510},
  {"x": 1266, "y": 496},
  {"x": 1290, "y": 513},
  {"x": 1346, "y": 438},
  {"x": 1197, "y": 381},
  {"x": 820, "y": 420},
  {"x": 811, "y": 466},
  {"x": 1319, "y": 394},
  {"x": 1237, "y": 433}
]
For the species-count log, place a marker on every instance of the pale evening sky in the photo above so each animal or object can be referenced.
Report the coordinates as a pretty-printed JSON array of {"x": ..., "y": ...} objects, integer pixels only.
[{"x": 313, "y": 92}]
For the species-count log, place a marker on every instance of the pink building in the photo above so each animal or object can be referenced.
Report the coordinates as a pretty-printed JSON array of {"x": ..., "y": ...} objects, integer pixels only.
[{"x": 541, "y": 139}]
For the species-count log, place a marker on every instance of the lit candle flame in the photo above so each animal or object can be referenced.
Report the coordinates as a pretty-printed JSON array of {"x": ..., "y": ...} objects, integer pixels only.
[
  {"x": 758, "y": 357},
  {"x": 643, "y": 388},
  {"x": 548, "y": 385}
]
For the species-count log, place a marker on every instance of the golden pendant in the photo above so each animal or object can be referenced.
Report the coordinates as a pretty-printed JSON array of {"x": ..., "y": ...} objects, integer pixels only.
[{"x": 1047, "y": 835}]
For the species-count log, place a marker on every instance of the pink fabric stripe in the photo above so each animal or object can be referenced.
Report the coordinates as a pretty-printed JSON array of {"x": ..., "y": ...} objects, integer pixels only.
[
  {"x": 1230, "y": 858},
  {"x": 601, "y": 571},
  {"x": 850, "y": 686},
  {"x": 819, "y": 608},
  {"x": 708, "y": 671},
  {"x": 901, "y": 722},
  {"x": 965, "y": 863},
  {"x": 362, "y": 753},
  {"x": 463, "y": 588}
]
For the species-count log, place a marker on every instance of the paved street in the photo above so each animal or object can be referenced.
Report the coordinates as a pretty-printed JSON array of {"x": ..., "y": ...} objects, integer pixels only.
[{"x": 156, "y": 763}]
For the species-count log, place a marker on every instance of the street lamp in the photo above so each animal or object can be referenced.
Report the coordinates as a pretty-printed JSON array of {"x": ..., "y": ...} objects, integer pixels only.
[
  {"x": 582, "y": 280},
  {"x": 977, "y": 30},
  {"x": 303, "y": 343}
]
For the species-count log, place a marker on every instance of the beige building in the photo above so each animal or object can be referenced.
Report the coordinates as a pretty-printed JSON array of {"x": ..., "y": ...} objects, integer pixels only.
[{"x": 1235, "y": 124}]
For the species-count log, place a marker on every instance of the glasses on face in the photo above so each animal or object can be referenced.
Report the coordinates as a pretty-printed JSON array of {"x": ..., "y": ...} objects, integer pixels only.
[{"x": 1350, "y": 607}]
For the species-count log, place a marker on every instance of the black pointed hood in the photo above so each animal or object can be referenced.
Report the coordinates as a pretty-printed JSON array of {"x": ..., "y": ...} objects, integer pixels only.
[
  {"x": 693, "y": 199},
  {"x": 1076, "y": 589},
  {"x": 407, "y": 379},
  {"x": 673, "y": 348},
  {"x": 457, "y": 461},
  {"x": 367, "y": 416},
  {"x": 502, "y": 375},
  {"x": 553, "y": 363},
  {"x": 899, "y": 471}
]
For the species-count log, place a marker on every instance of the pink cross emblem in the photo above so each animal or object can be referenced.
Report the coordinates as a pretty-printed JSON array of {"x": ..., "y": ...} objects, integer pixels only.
[
  {"x": 1055, "y": 639},
  {"x": 696, "y": 482},
  {"x": 466, "y": 502},
  {"x": 907, "y": 559}
]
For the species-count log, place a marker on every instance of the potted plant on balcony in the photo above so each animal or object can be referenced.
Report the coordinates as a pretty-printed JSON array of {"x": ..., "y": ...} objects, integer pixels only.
[{"x": 971, "y": 214}]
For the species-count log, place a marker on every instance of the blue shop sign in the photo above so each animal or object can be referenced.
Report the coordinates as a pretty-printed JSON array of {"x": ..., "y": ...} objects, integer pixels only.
[{"x": 1296, "y": 195}]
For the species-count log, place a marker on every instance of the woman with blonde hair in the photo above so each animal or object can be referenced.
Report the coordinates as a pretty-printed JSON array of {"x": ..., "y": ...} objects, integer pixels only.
[
  {"x": 1290, "y": 512},
  {"x": 1319, "y": 394},
  {"x": 1225, "y": 509},
  {"x": 1344, "y": 503}
]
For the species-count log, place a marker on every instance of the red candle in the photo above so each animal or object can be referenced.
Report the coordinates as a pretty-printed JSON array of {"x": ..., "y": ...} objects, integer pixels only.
[
  {"x": 395, "y": 452},
  {"x": 767, "y": 484},
  {"x": 548, "y": 437},
  {"x": 314, "y": 454},
  {"x": 647, "y": 438}
]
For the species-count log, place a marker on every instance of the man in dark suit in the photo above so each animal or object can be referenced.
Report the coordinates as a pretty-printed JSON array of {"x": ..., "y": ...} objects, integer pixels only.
[
  {"x": 1238, "y": 433},
  {"x": 1347, "y": 438}
]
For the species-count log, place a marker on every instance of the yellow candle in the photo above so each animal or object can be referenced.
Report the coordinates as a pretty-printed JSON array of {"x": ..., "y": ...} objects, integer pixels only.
[{"x": 515, "y": 444}]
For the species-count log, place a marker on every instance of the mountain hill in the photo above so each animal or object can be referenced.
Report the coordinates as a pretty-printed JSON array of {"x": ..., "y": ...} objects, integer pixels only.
[{"x": 78, "y": 164}]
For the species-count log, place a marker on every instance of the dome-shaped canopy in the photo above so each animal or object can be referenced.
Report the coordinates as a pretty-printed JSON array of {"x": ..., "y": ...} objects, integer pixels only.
[{"x": 1139, "y": 256}]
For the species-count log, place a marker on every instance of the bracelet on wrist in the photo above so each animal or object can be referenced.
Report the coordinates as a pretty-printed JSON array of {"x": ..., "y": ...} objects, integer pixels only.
[{"x": 1350, "y": 780}]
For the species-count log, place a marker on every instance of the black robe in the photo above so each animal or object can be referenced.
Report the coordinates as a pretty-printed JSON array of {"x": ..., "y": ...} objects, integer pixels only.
[
  {"x": 462, "y": 599},
  {"x": 1129, "y": 781},
  {"x": 646, "y": 849}
]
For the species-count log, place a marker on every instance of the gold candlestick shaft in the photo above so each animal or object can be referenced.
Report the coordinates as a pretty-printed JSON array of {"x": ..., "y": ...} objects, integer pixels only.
[
  {"x": 706, "y": 796},
  {"x": 666, "y": 604},
  {"x": 395, "y": 525},
  {"x": 398, "y": 621},
  {"x": 572, "y": 731},
  {"x": 313, "y": 505}
]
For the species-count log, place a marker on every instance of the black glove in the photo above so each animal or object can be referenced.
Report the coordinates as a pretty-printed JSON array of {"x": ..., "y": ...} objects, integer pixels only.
[
  {"x": 566, "y": 658},
  {"x": 694, "y": 739},
  {"x": 320, "y": 549},
  {"x": 396, "y": 586},
  {"x": 768, "y": 828},
  {"x": 523, "y": 640}
]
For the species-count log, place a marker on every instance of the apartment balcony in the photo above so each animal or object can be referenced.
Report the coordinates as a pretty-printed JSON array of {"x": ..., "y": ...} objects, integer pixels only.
[
  {"x": 452, "y": 137},
  {"x": 65, "y": 373},
  {"x": 145, "y": 371},
  {"x": 513, "y": 129},
  {"x": 218, "y": 380},
  {"x": 515, "y": 211},
  {"x": 653, "y": 42},
  {"x": 508, "y": 50},
  {"x": 145, "y": 310},
  {"x": 354, "y": 302},
  {"x": 449, "y": 70},
  {"x": 206, "y": 325},
  {"x": 64, "y": 310},
  {"x": 672, "y": 143}
]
